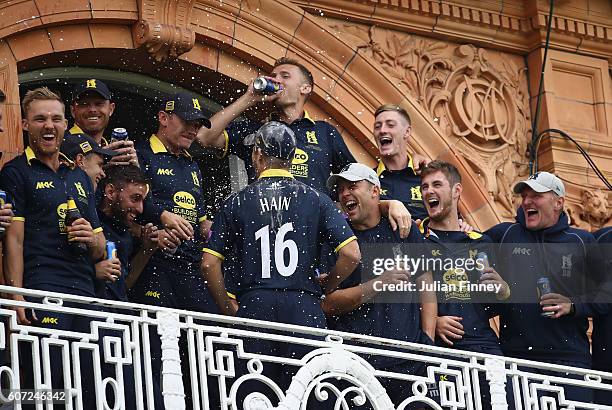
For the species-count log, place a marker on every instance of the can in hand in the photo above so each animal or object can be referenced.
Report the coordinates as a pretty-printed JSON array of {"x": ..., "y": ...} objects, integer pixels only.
[
  {"x": 544, "y": 289},
  {"x": 119, "y": 134},
  {"x": 111, "y": 250},
  {"x": 265, "y": 86},
  {"x": 484, "y": 258}
]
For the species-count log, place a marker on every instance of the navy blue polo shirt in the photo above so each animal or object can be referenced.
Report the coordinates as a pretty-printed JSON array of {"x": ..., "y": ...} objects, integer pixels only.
[
  {"x": 274, "y": 228},
  {"x": 391, "y": 320},
  {"x": 402, "y": 185},
  {"x": 400, "y": 321},
  {"x": 75, "y": 129},
  {"x": 461, "y": 246},
  {"x": 176, "y": 186},
  {"x": 39, "y": 195},
  {"x": 116, "y": 231},
  {"x": 320, "y": 150}
]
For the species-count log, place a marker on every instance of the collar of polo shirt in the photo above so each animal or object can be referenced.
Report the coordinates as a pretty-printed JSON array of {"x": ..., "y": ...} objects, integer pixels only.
[
  {"x": 381, "y": 166},
  {"x": 158, "y": 147},
  {"x": 274, "y": 117},
  {"x": 275, "y": 172},
  {"x": 77, "y": 130},
  {"x": 30, "y": 155},
  {"x": 424, "y": 229}
]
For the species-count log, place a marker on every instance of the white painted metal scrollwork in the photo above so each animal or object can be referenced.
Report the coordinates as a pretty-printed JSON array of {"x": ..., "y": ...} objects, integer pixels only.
[{"x": 335, "y": 368}]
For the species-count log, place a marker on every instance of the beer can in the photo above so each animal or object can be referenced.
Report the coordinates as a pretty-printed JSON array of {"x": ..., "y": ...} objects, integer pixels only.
[
  {"x": 111, "y": 250},
  {"x": 2, "y": 202},
  {"x": 482, "y": 256},
  {"x": 543, "y": 285},
  {"x": 119, "y": 134},
  {"x": 267, "y": 87}
]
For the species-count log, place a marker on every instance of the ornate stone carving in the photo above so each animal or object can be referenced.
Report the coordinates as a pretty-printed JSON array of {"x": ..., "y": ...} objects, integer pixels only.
[
  {"x": 163, "y": 28},
  {"x": 478, "y": 98}
]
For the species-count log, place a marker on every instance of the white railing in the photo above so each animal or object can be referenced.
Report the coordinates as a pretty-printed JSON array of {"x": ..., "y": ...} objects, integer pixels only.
[{"x": 221, "y": 364}]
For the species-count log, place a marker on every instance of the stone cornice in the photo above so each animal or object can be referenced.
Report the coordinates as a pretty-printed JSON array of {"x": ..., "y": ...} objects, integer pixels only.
[{"x": 520, "y": 29}]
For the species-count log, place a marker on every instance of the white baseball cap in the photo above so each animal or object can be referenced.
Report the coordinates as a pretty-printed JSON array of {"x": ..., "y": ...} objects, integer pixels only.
[
  {"x": 542, "y": 182},
  {"x": 354, "y": 172}
]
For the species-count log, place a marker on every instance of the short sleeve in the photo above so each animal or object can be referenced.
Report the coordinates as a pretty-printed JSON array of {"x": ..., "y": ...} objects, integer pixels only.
[
  {"x": 333, "y": 227},
  {"x": 91, "y": 213},
  {"x": 221, "y": 241},
  {"x": 341, "y": 156},
  {"x": 13, "y": 183},
  {"x": 234, "y": 136}
]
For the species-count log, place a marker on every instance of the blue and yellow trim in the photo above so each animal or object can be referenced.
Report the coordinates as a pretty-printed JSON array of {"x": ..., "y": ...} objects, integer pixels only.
[
  {"x": 98, "y": 230},
  {"x": 380, "y": 168},
  {"x": 18, "y": 218},
  {"x": 275, "y": 172},
  {"x": 214, "y": 253},
  {"x": 344, "y": 243},
  {"x": 158, "y": 147}
]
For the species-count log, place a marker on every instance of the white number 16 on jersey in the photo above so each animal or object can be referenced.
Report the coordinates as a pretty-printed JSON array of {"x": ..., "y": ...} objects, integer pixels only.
[{"x": 280, "y": 244}]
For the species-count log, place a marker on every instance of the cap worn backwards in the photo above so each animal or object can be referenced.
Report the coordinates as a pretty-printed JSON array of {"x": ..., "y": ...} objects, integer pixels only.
[
  {"x": 354, "y": 172},
  {"x": 75, "y": 144}
]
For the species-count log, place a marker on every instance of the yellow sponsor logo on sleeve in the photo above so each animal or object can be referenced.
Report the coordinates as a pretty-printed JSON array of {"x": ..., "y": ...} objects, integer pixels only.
[{"x": 184, "y": 200}]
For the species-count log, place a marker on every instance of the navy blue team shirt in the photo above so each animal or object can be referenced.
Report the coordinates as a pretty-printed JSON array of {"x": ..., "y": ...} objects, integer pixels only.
[
  {"x": 320, "y": 149},
  {"x": 117, "y": 232},
  {"x": 401, "y": 321},
  {"x": 287, "y": 218},
  {"x": 403, "y": 185},
  {"x": 478, "y": 334},
  {"x": 39, "y": 196},
  {"x": 176, "y": 186}
]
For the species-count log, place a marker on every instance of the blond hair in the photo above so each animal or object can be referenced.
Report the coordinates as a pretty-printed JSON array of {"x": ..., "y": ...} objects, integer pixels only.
[
  {"x": 41, "y": 93},
  {"x": 394, "y": 107}
]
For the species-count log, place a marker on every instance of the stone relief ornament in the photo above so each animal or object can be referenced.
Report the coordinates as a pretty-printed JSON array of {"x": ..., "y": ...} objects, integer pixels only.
[{"x": 478, "y": 98}]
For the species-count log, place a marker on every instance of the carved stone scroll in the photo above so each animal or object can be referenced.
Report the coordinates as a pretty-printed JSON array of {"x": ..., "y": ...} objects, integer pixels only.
[{"x": 163, "y": 29}]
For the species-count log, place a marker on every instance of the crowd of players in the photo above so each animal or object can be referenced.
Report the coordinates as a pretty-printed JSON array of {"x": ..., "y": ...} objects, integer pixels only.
[{"x": 287, "y": 247}]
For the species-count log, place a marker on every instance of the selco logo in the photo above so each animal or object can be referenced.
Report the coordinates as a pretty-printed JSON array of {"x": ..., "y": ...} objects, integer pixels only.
[
  {"x": 49, "y": 320},
  {"x": 61, "y": 210},
  {"x": 300, "y": 157},
  {"x": 184, "y": 200}
]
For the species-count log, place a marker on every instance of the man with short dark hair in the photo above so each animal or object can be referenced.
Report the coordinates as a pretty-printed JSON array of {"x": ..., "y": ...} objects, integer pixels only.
[
  {"x": 397, "y": 169},
  {"x": 320, "y": 148},
  {"x": 124, "y": 191},
  {"x": 91, "y": 109},
  {"x": 463, "y": 314}
]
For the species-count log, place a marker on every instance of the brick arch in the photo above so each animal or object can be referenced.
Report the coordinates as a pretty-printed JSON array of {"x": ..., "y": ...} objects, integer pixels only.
[{"x": 237, "y": 39}]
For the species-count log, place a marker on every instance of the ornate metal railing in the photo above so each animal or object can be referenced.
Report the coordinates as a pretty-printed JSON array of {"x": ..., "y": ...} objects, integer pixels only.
[{"x": 218, "y": 362}]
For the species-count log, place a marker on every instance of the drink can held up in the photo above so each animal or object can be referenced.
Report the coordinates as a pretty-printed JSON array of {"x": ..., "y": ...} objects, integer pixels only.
[{"x": 265, "y": 86}]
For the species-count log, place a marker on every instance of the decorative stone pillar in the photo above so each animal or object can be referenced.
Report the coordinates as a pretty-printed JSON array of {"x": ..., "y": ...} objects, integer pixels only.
[
  {"x": 11, "y": 141},
  {"x": 172, "y": 377},
  {"x": 496, "y": 375}
]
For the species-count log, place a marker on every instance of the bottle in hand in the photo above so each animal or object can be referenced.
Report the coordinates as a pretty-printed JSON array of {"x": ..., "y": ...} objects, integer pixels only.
[{"x": 72, "y": 214}]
